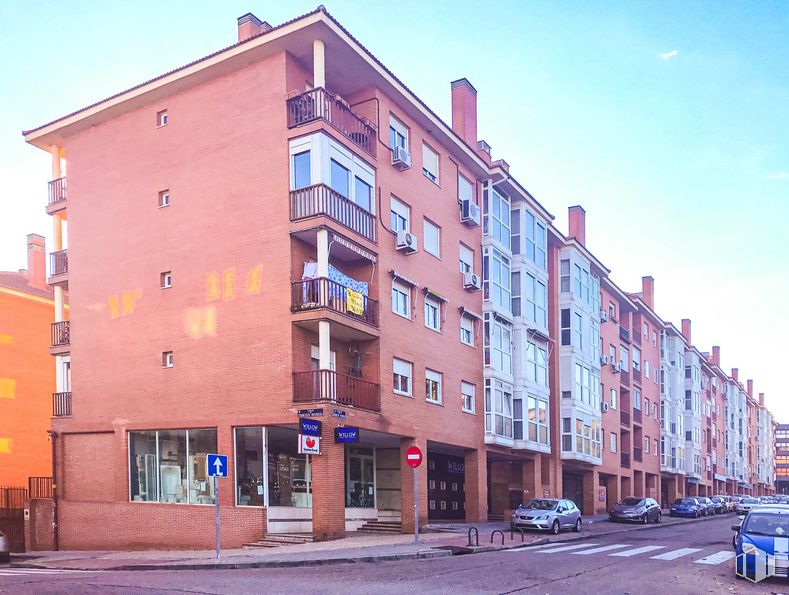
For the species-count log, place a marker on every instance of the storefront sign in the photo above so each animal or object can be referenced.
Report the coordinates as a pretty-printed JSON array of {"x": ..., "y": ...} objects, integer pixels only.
[
  {"x": 309, "y": 427},
  {"x": 338, "y": 413},
  {"x": 342, "y": 435},
  {"x": 309, "y": 445},
  {"x": 311, "y": 412}
]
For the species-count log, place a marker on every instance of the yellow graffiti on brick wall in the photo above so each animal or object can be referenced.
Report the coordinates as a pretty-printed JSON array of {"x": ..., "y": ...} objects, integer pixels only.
[
  {"x": 255, "y": 280},
  {"x": 6, "y": 339},
  {"x": 200, "y": 322},
  {"x": 5, "y": 446},
  {"x": 7, "y": 388},
  {"x": 123, "y": 304},
  {"x": 223, "y": 285}
]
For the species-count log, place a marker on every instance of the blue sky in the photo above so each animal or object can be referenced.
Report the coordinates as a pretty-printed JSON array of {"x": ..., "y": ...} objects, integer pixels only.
[{"x": 665, "y": 120}]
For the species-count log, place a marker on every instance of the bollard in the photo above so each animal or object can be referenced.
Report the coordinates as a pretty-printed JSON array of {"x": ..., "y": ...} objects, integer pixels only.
[
  {"x": 476, "y": 535},
  {"x": 500, "y": 533}
]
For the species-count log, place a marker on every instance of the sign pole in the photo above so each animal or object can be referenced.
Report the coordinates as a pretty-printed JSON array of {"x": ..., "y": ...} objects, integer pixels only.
[
  {"x": 416, "y": 506},
  {"x": 216, "y": 500}
]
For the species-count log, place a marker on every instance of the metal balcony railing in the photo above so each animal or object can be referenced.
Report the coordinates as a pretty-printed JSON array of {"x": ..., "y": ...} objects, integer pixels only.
[
  {"x": 57, "y": 190},
  {"x": 58, "y": 262},
  {"x": 319, "y": 104},
  {"x": 637, "y": 454},
  {"x": 61, "y": 404},
  {"x": 61, "y": 333},
  {"x": 624, "y": 334},
  {"x": 319, "y": 199},
  {"x": 625, "y": 460},
  {"x": 310, "y": 294},
  {"x": 636, "y": 415},
  {"x": 327, "y": 386},
  {"x": 624, "y": 417}
]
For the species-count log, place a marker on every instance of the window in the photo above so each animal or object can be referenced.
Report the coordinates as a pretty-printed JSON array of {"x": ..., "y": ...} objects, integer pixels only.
[
  {"x": 637, "y": 399},
  {"x": 340, "y": 179},
  {"x": 536, "y": 298},
  {"x": 646, "y": 445},
  {"x": 171, "y": 466},
  {"x": 465, "y": 189},
  {"x": 433, "y": 386},
  {"x": 565, "y": 268},
  {"x": 535, "y": 239},
  {"x": 161, "y": 118},
  {"x": 537, "y": 420},
  {"x": 636, "y": 359},
  {"x": 402, "y": 372},
  {"x": 167, "y": 359},
  {"x": 646, "y": 369},
  {"x": 536, "y": 364},
  {"x": 578, "y": 331},
  {"x": 401, "y": 299},
  {"x": 467, "y": 330},
  {"x": 429, "y": 163},
  {"x": 497, "y": 217},
  {"x": 498, "y": 344},
  {"x": 613, "y": 398},
  {"x": 400, "y": 217},
  {"x": 565, "y": 322},
  {"x": 467, "y": 391},
  {"x": 363, "y": 194},
  {"x": 164, "y": 199},
  {"x": 432, "y": 240},
  {"x": 613, "y": 442},
  {"x": 515, "y": 284},
  {"x": 646, "y": 336},
  {"x": 624, "y": 358},
  {"x": 515, "y": 236},
  {"x": 655, "y": 446},
  {"x": 517, "y": 418},
  {"x": 567, "y": 437},
  {"x": 496, "y": 279},
  {"x": 498, "y": 408},
  {"x": 466, "y": 259},
  {"x": 432, "y": 313},
  {"x": 398, "y": 134},
  {"x": 302, "y": 175},
  {"x": 166, "y": 280}
]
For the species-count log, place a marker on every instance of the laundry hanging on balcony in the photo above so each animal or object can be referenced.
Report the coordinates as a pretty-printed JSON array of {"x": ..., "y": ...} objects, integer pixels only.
[{"x": 345, "y": 293}]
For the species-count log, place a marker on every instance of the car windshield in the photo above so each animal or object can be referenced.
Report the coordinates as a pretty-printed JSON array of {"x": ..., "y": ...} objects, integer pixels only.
[
  {"x": 631, "y": 501},
  {"x": 749, "y": 501},
  {"x": 767, "y": 523},
  {"x": 717, "y": 499},
  {"x": 541, "y": 504},
  {"x": 685, "y": 502}
]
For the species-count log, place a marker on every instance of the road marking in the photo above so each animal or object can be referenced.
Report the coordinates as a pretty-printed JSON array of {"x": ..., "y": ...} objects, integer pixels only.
[
  {"x": 565, "y": 548},
  {"x": 717, "y": 558},
  {"x": 40, "y": 571},
  {"x": 674, "y": 554},
  {"x": 604, "y": 548},
  {"x": 639, "y": 550}
]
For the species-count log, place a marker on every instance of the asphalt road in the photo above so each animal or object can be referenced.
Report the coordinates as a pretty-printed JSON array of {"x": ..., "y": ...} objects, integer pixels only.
[{"x": 693, "y": 558}]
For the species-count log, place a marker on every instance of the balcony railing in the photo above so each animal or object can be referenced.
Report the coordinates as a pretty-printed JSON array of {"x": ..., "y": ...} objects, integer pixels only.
[
  {"x": 58, "y": 263},
  {"x": 636, "y": 415},
  {"x": 61, "y": 333},
  {"x": 624, "y": 417},
  {"x": 322, "y": 200},
  {"x": 310, "y": 294},
  {"x": 57, "y": 190},
  {"x": 625, "y": 460},
  {"x": 319, "y": 104},
  {"x": 624, "y": 378},
  {"x": 327, "y": 386},
  {"x": 61, "y": 404},
  {"x": 624, "y": 334},
  {"x": 637, "y": 454},
  {"x": 636, "y": 334},
  {"x": 636, "y": 375}
]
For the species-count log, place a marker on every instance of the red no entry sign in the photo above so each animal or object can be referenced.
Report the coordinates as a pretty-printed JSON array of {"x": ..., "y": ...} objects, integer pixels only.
[{"x": 413, "y": 456}]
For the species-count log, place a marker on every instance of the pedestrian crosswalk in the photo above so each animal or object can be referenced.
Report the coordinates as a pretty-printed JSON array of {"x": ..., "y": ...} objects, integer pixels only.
[
  {"x": 628, "y": 550},
  {"x": 40, "y": 571}
]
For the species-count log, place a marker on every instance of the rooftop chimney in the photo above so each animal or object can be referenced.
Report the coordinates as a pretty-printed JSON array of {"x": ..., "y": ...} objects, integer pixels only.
[
  {"x": 716, "y": 355},
  {"x": 750, "y": 387},
  {"x": 464, "y": 111},
  {"x": 648, "y": 291},
  {"x": 578, "y": 223},
  {"x": 686, "y": 330},
  {"x": 36, "y": 261},
  {"x": 735, "y": 373},
  {"x": 249, "y": 26},
  {"x": 761, "y": 399},
  {"x": 483, "y": 150}
]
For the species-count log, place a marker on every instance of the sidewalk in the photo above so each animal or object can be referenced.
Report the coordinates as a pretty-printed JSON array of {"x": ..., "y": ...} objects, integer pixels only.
[{"x": 438, "y": 541}]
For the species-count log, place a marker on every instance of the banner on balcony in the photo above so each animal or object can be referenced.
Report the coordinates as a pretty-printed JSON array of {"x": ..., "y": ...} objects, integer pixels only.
[{"x": 354, "y": 302}]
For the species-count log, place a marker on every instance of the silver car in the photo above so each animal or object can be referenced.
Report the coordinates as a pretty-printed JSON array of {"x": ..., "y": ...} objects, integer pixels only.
[
  {"x": 5, "y": 548},
  {"x": 549, "y": 514}
]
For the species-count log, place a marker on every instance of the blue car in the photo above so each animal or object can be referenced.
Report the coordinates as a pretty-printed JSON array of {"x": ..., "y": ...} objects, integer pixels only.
[
  {"x": 764, "y": 531},
  {"x": 688, "y": 507}
]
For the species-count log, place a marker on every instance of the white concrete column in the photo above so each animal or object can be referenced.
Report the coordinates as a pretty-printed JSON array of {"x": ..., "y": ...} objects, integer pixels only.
[
  {"x": 57, "y": 172},
  {"x": 318, "y": 64},
  {"x": 324, "y": 345},
  {"x": 323, "y": 253},
  {"x": 59, "y": 317}
]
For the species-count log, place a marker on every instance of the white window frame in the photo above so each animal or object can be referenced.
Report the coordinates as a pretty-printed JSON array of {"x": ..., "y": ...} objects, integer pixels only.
[
  {"x": 466, "y": 256},
  {"x": 465, "y": 184},
  {"x": 165, "y": 280},
  {"x": 430, "y": 162},
  {"x": 501, "y": 286},
  {"x": 467, "y": 324},
  {"x": 162, "y": 118},
  {"x": 429, "y": 226},
  {"x": 468, "y": 396},
  {"x": 404, "y": 369},
  {"x": 164, "y": 198},
  {"x": 402, "y": 288},
  {"x": 436, "y": 378},
  {"x": 168, "y": 359},
  {"x": 613, "y": 397},
  {"x": 612, "y": 443},
  {"x": 399, "y": 128},
  {"x": 432, "y": 309},
  {"x": 401, "y": 211}
]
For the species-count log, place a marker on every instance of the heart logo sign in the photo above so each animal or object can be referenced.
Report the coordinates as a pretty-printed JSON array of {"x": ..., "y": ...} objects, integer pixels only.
[{"x": 310, "y": 442}]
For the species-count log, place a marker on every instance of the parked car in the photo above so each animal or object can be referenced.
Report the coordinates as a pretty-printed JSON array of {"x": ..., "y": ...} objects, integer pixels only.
[
  {"x": 745, "y": 505},
  {"x": 709, "y": 507},
  {"x": 719, "y": 504},
  {"x": 688, "y": 507},
  {"x": 762, "y": 529},
  {"x": 642, "y": 510},
  {"x": 550, "y": 514},
  {"x": 728, "y": 505},
  {"x": 5, "y": 548}
]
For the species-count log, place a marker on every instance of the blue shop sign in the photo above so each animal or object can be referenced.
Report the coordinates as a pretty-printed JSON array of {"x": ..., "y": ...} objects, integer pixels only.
[
  {"x": 309, "y": 427},
  {"x": 346, "y": 434}
]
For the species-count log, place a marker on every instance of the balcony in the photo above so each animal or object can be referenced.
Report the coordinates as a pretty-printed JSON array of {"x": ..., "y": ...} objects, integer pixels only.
[
  {"x": 319, "y": 104},
  {"x": 61, "y": 338},
  {"x": 317, "y": 200},
  {"x": 58, "y": 268},
  {"x": 61, "y": 404},
  {"x": 327, "y": 386},
  {"x": 637, "y": 376},
  {"x": 637, "y": 454},
  {"x": 636, "y": 415},
  {"x": 636, "y": 334},
  {"x": 624, "y": 334},
  {"x": 57, "y": 196},
  {"x": 624, "y": 417},
  {"x": 625, "y": 460},
  {"x": 311, "y": 294},
  {"x": 624, "y": 378}
]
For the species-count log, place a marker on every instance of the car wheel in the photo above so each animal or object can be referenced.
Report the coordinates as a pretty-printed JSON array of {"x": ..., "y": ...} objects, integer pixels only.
[
  {"x": 555, "y": 527},
  {"x": 659, "y": 517},
  {"x": 577, "y": 527}
]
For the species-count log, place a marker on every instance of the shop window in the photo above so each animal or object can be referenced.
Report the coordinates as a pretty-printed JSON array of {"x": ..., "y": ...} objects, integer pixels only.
[
  {"x": 250, "y": 479},
  {"x": 289, "y": 475}
]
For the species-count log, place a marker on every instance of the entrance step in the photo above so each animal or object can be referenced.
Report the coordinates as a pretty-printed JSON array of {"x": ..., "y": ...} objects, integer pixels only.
[
  {"x": 388, "y": 526},
  {"x": 280, "y": 539},
  {"x": 494, "y": 518}
]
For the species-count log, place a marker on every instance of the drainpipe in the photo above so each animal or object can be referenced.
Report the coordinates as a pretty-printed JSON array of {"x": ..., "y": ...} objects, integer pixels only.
[{"x": 52, "y": 438}]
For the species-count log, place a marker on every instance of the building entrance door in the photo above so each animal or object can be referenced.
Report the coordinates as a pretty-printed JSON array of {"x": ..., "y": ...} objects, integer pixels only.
[{"x": 360, "y": 477}]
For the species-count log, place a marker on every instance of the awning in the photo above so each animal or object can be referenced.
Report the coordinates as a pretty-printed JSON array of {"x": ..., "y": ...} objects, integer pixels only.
[
  {"x": 403, "y": 278},
  {"x": 466, "y": 312},
  {"x": 435, "y": 294},
  {"x": 353, "y": 247},
  {"x": 540, "y": 334}
]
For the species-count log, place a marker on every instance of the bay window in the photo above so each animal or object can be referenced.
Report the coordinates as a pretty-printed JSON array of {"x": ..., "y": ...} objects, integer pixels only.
[
  {"x": 498, "y": 408},
  {"x": 498, "y": 344},
  {"x": 496, "y": 277}
]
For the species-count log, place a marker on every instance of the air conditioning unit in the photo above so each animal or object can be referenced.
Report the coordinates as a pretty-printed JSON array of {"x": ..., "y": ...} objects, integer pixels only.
[
  {"x": 604, "y": 407},
  {"x": 615, "y": 368},
  {"x": 472, "y": 282},
  {"x": 406, "y": 242},
  {"x": 603, "y": 360},
  {"x": 469, "y": 213},
  {"x": 603, "y": 316},
  {"x": 401, "y": 158}
]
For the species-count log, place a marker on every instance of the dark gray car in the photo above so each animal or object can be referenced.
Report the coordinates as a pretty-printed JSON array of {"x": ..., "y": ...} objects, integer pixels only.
[
  {"x": 707, "y": 504},
  {"x": 641, "y": 510},
  {"x": 551, "y": 514}
]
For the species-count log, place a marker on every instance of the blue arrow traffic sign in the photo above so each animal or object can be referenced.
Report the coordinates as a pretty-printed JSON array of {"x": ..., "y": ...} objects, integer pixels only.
[{"x": 217, "y": 465}]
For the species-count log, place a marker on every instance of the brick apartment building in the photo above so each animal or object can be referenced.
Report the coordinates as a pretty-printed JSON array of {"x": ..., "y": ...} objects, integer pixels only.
[{"x": 291, "y": 228}]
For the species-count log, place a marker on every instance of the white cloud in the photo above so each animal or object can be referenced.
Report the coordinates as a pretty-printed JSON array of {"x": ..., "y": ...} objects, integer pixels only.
[
  {"x": 781, "y": 175},
  {"x": 669, "y": 55}
]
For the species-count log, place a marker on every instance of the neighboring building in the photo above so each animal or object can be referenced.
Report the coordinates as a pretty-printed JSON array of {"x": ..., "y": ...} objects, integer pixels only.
[
  {"x": 672, "y": 416},
  {"x": 27, "y": 379},
  {"x": 782, "y": 458}
]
